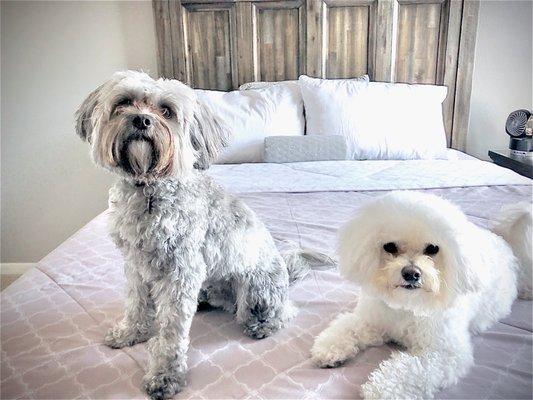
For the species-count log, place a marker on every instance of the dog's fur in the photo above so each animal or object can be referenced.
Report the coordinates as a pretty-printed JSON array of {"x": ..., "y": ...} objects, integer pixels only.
[
  {"x": 463, "y": 288},
  {"x": 194, "y": 241},
  {"x": 514, "y": 225}
]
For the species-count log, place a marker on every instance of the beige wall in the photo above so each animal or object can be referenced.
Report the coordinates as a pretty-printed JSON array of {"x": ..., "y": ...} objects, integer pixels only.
[
  {"x": 502, "y": 72},
  {"x": 53, "y": 54}
]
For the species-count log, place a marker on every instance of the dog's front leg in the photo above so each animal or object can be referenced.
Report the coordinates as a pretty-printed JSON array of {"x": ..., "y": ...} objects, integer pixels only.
[
  {"x": 137, "y": 324},
  {"x": 418, "y": 376},
  {"x": 175, "y": 298},
  {"x": 343, "y": 338}
]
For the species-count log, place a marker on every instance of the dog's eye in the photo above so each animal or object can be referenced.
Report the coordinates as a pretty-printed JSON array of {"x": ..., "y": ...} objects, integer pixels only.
[
  {"x": 124, "y": 103},
  {"x": 166, "y": 112},
  {"x": 390, "y": 248},
  {"x": 431, "y": 250}
]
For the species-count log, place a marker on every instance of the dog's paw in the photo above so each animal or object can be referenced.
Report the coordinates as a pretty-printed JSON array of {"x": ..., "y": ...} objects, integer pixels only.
[
  {"x": 262, "y": 322},
  {"x": 120, "y": 336},
  {"x": 261, "y": 330},
  {"x": 163, "y": 385},
  {"x": 327, "y": 353}
]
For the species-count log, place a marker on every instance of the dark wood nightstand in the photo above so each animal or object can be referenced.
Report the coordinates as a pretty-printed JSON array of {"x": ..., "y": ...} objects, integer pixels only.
[{"x": 519, "y": 164}]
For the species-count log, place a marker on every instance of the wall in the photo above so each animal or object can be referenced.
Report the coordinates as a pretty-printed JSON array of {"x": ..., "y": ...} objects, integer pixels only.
[
  {"x": 502, "y": 72},
  {"x": 53, "y": 55}
]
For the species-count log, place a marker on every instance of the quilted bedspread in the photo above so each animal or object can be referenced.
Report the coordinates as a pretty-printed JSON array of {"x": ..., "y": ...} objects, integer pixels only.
[{"x": 54, "y": 317}]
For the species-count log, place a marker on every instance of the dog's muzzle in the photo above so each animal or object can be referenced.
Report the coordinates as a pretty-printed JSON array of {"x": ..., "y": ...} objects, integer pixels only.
[{"x": 137, "y": 130}]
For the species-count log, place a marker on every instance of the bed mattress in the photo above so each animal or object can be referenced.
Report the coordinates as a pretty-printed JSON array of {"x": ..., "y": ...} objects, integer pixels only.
[{"x": 54, "y": 317}]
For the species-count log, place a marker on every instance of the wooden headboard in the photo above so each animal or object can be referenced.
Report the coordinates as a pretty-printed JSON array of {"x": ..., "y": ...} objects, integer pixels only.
[{"x": 223, "y": 44}]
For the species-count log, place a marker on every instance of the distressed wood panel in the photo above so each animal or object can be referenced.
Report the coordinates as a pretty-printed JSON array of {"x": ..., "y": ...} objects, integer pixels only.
[
  {"x": 348, "y": 33},
  {"x": 245, "y": 59},
  {"x": 419, "y": 34},
  {"x": 163, "y": 29},
  {"x": 209, "y": 35},
  {"x": 450, "y": 63},
  {"x": 314, "y": 41},
  {"x": 465, "y": 66},
  {"x": 179, "y": 48},
  {"x": 279, "y": 40},
  {"x": 382, "y": 71}
]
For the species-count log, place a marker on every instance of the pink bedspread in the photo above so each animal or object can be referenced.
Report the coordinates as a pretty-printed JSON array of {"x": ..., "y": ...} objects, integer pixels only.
[{"x": 54, "y": 318}]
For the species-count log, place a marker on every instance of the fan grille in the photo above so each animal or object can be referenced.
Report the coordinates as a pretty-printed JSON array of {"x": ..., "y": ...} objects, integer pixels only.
[{"x": 516, "y": 123}]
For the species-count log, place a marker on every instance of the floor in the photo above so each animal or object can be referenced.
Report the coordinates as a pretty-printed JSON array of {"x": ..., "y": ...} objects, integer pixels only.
[{"x": 6, "y": 280}]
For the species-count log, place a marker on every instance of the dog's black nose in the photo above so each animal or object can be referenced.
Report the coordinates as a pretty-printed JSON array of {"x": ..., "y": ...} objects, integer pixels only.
[
  {"x": 141, "y": 121},
  {"x": 411, "y": 274}
]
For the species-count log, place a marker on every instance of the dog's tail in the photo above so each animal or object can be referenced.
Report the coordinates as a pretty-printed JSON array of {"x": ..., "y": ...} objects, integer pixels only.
[
  {"x": 300, "y": 261},
  {"x": 514, "y": 224}
]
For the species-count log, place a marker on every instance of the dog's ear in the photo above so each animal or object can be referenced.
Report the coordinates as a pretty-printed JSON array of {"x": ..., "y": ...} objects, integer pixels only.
[
  {"x": 358, "y": 249},
  {"x": 84, "y": 115},
  {"x": 464, "y": 267},
  {"x": 208, "y": 136}
]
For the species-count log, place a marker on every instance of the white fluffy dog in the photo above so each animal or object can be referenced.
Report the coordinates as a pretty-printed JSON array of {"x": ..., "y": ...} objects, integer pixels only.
[{"x": 428, "y": 278}]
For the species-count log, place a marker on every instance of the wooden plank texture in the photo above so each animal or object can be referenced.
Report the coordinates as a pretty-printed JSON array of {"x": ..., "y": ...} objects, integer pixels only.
[
  {"x": 465, "y": 68},
  {"x": 450, "y": 65},
  {"x": 280, "y": 40},
  {"x": 382, "y": 65},
  {"x": 314, "y": 50},
  {"x": 418, "y": 42},
  {"x": 245, "y": 59},
  {"x": 348, "y": 39},
  {"x": 209, "y": 31},
  {"x": 163, "y": 30}
]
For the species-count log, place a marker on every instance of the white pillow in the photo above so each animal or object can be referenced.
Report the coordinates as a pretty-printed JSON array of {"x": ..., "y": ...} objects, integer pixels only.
[
  {"x": 379, "y": 120},
  {"x": 253, "y": 115},
  {"x": 264, "y": 84}
]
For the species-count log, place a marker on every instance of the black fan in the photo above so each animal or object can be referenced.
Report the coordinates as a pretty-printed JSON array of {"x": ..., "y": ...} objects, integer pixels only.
[{"x": 519, "y": 126}]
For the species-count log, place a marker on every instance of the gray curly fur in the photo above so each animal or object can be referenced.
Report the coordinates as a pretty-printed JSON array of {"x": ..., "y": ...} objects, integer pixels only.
[
  {"x": 196, "y": 242},
  {"x": 199, "y": 244}
]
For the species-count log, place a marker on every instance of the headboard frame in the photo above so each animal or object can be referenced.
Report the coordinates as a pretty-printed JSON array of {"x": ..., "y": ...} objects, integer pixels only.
[{"x": 223, "y": 44}]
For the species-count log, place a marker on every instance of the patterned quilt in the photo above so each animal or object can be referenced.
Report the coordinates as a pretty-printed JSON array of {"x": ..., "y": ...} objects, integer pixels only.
[{"x": 54, "y": 317}]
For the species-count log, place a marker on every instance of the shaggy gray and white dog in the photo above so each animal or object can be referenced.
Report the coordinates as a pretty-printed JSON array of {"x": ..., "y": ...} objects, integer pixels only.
[{"x": 183, "y": 237}]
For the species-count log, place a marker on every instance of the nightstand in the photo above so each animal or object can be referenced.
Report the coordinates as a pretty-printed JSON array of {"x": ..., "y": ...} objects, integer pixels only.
[{"x": 519, "y": 164}]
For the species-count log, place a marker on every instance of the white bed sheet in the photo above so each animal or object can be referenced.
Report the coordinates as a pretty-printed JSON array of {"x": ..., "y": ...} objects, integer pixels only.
[{"x": 459, "y": 170}]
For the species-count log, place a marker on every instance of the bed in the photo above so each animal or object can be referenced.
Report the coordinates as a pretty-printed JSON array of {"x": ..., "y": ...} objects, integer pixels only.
[{"x": 54, "y": 317}]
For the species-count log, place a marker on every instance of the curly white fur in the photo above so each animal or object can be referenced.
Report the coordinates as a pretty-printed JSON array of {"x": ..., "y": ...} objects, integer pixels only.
[
  {"x": 463, "y": 287},
  {"x": 514, "y": 225}
]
